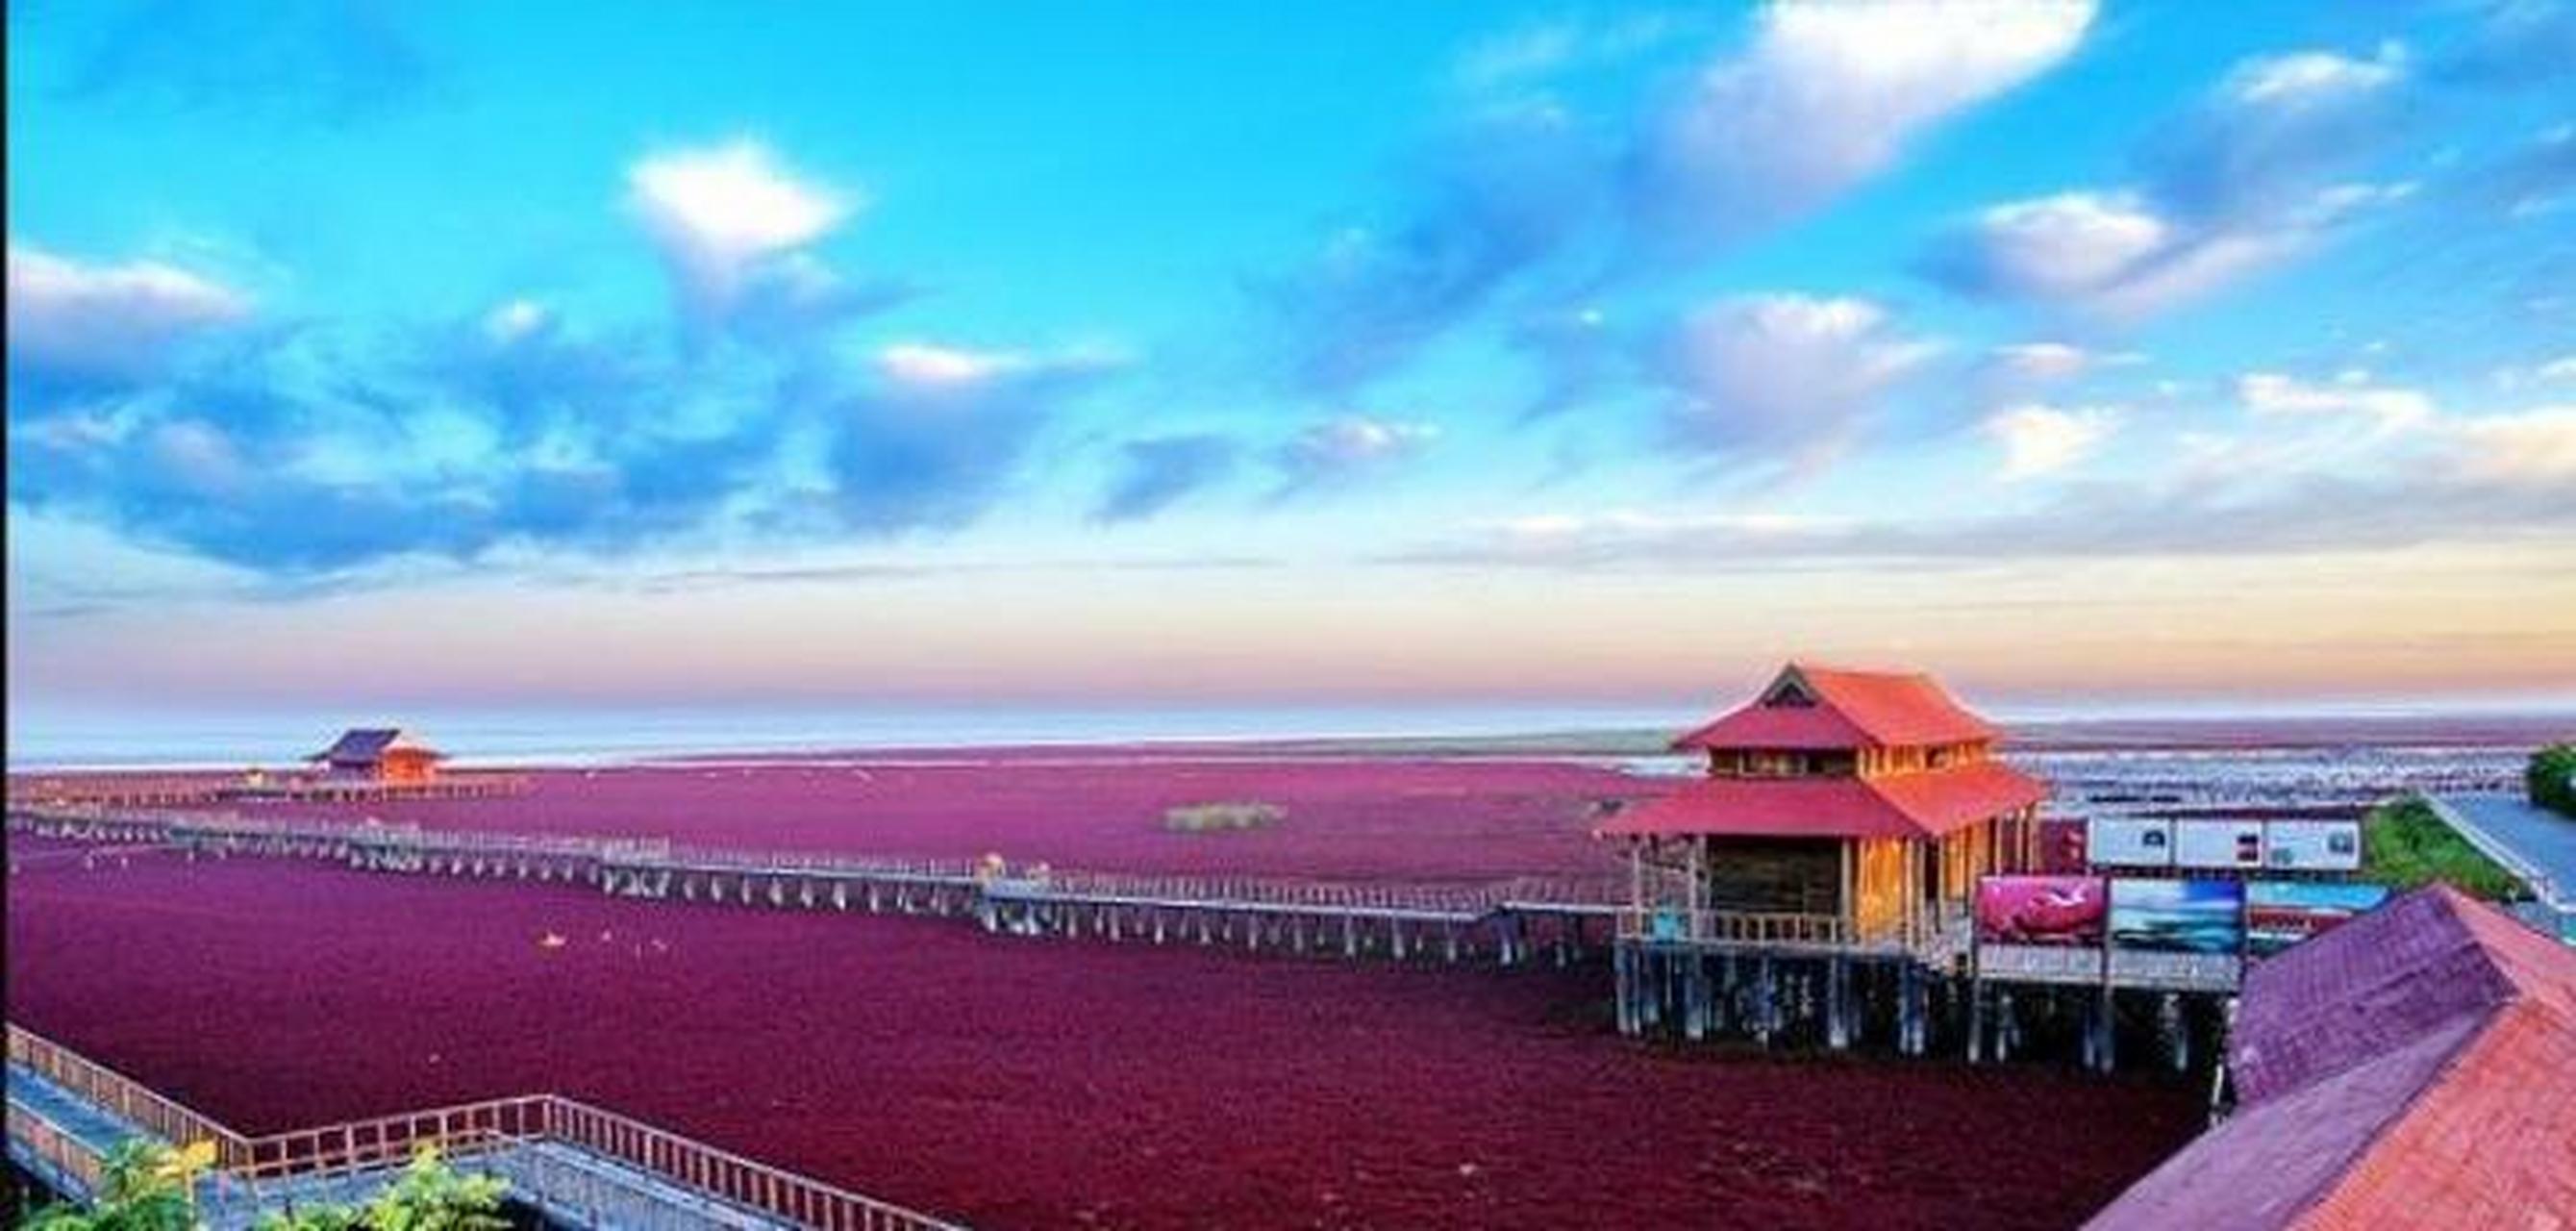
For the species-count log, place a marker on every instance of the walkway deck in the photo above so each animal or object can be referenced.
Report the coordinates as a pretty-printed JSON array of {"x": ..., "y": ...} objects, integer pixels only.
[
  {"x": 578, "y": 1166},
  {"x": 1511, "y": 921},
  {"x": 2531, "y": 842}
]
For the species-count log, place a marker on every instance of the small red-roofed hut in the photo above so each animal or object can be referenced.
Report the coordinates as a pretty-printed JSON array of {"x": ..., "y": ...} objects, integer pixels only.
[{"x": 379, "y": 754}]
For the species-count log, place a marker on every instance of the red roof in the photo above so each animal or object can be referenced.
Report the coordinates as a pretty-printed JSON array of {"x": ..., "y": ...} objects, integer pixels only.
[
  {"x": 368, "y": 745},
  {"x": 1816, "y": 707},
  {"x": 2413, "y": 1068},
  {"x": 1919, "y": 805}
]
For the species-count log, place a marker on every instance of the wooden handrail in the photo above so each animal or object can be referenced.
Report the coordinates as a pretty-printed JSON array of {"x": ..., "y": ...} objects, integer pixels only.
[
  {"x": 459, "y": 1130},
  {"x": 656, "y": 854},
  {"x": 158, "y": 1114}
]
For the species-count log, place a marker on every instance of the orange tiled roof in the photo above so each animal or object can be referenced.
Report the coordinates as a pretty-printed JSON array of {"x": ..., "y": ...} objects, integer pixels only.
[
  {"x": 1851, "y": 709},
  {"x": 1918, "y": 805},
  {"x": 2413, "y": 1068}
]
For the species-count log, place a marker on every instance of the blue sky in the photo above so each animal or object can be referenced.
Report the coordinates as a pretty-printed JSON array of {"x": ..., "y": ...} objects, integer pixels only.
[{"x": 599, "y": 354}]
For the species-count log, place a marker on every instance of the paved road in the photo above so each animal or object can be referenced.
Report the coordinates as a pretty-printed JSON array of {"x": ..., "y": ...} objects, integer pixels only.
[{"x": 2534, "y": 843}]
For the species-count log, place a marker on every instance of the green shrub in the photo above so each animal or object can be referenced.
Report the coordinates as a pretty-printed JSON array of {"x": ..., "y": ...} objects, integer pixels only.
[
  {"x": 149, "y": 1186},
  {"x": 1218, "y": 817},
  {"x": 2552, "y": 778},
  {"x": 2404, "y": 843}
]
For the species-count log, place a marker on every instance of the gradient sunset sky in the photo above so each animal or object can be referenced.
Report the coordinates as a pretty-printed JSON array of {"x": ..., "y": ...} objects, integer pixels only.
[{"x": 377, "y": 356}]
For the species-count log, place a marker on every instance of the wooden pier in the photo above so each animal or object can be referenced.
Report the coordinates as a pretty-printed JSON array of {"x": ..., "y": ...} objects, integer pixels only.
[
  {"x": 1507, "y": 923},
  {"x": 206, "y": 790},
  {"x": 573, "y": 1164}
]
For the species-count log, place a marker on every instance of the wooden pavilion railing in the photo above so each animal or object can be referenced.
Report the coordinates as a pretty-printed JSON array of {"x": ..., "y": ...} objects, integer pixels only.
[
  {"x": 1733, "y": 927},
  {"x": 245, "y": 1166},
  {"x": 1935, "y": 935}
]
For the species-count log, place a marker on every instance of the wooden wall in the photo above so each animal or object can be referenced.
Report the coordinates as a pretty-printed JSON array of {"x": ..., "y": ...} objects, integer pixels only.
[{"x": 1775, "y": 874}]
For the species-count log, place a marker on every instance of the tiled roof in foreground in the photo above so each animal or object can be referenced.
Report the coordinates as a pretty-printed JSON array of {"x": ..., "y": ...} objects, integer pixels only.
[{"x": 2413, "y": 1068}]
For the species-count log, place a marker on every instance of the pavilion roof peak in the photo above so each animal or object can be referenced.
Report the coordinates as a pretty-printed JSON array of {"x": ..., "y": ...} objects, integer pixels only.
[
  {"x": 1811, "y": 705},
  {"x": 362, "y": 744}
]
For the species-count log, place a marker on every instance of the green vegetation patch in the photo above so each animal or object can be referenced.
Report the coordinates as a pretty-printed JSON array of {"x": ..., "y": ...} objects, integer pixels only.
[
  {"x": 150, "y": 1186},
  {"x": 2552, "y": 778},
  {"x": 1222, "y": 817},
  {"x": 2404, "y": 844}
]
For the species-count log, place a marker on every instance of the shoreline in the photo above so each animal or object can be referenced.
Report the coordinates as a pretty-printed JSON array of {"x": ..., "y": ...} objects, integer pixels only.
[{"x": 2088, "y": 735}]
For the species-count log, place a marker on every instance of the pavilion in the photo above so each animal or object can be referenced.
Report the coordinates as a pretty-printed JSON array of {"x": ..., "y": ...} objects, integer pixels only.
[
  {"x": 1844, "y": 815},
  {"x": 380, "y": 754}
]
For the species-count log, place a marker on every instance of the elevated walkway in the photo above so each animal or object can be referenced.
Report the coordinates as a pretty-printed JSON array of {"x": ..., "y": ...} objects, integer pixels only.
[
  {"x": 1510, "y": 921},
  {"x": 575, "y": 1165}
]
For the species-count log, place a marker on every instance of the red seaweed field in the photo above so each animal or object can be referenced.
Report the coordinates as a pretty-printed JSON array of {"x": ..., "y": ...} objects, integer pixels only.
[
  {"x": 1034, "y": 1083},
  {"x": 1344, "y": 818}
]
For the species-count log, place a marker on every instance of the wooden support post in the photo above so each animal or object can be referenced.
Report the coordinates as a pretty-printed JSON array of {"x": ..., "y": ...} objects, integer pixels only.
[
  {"x": 1976, "y": 1020},
  {"x": 1624, "y": 993},
  {"x": 1837, "y": 1028},
  {"x": 2109, "y": 1026},
  {"x": 2177, "y": 1040},
  {"x": 1909, "y": 1008}
]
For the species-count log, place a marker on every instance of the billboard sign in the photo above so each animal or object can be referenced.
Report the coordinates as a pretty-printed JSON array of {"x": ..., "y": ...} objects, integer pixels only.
[
  {"x": 2218, "y": 844},
  {"x": 2279, "y": 914},
  {"x": 2178, "y": 916},
  {"x": 2039, "y": 963},
  {"x": 2049, "y": 911},
  {"x": 2181, "y": 972},
  {"x": 2129, "y": 843},
  {"x": 2312, "y": 846}
]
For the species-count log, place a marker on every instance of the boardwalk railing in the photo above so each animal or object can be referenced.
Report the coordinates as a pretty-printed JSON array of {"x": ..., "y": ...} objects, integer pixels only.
[
  {"x": 1465, "y": 901},
  {"x": 106, "y": 1088},
  {"x": 250, "y": 1167},
  {"x": 1461, "y": 900}
]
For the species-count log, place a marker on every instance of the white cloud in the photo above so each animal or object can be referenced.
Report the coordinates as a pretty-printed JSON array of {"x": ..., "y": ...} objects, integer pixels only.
[
  {"x": 2387, "y": 408},
  {"x": 1348, "y": 445},
  {"x": 2067, "y": 245},
  {"x": 2039, "y": 440},
  {"x": 2031, "y": 365},
  {"x": 107, "y": 320},
  {"x": 930, "y": 366},
  {"x": 2313, "y": 78},
  {"x": 515, "y": 320},
  {"x": 2536, "y": 447},
  {"x": 1829, "y": 93},
  {"x": 1782, "y": 374},
  {"x": 2115, "y": 254},
  {"x": 2561, "y": 370},
  {"x": 2238, "y": 184},
  {"x": 723, "y": 212}
]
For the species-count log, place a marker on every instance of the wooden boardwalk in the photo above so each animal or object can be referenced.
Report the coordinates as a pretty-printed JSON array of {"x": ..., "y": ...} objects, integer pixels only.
[
  {"x": 1508, "y": 922},
  {"x": 574, "y": 1164}
]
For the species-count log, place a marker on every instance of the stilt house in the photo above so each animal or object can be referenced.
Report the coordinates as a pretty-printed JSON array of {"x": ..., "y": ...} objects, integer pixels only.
[
  {"x": 379, "y": 754},
  {"x": 1842, "y": 810}
]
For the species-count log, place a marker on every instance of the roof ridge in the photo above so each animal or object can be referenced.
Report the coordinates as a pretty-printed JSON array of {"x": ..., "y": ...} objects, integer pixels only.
[{"x": 2493, "y": 1017}]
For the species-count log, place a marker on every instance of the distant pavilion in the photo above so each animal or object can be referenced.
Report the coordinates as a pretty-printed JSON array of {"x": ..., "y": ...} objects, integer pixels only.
[
  {"x": 1845, "y": 814},
  {"x": 388, "y": 755}
]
